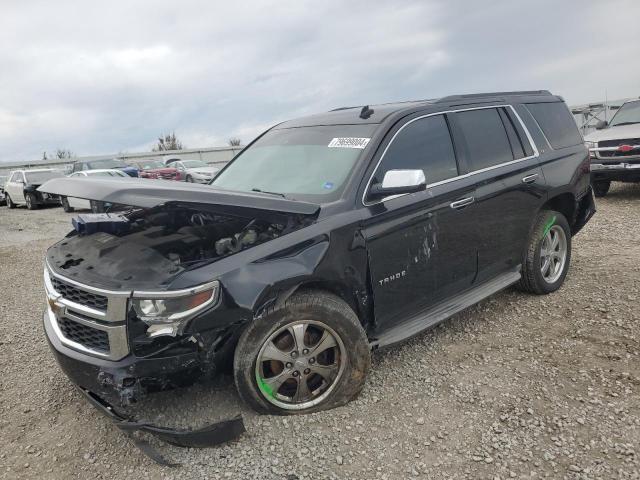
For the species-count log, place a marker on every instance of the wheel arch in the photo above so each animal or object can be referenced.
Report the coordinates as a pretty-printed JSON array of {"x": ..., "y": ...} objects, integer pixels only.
[
  {"x": 356, "y": 299},
  {"x": 565, "y": 203}
]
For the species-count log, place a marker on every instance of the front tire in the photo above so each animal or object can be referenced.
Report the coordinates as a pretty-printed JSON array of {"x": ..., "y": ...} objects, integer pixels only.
[
  {"x": 65, "y": 205},
  {"x": 601, "y": 188},
  {"x": 32, "y": 203},
  {"x": 308, "y": 355},
  {"x": 10, "y": 203},
  {"x": 548, "y": 254},
  {"x": 189, "y": 179}
]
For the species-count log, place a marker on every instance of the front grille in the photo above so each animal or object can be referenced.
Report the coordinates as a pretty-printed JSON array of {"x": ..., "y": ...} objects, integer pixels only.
[
  {"x": 616, "y": 143},
  {"x": 84, "y": 335},
  {"x": 167, "y": 176},
  {"x": 82, "y": 297}
]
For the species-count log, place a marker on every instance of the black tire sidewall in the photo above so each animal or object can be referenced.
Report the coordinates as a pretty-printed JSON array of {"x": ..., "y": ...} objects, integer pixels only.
[
  {"x": 329, "y": 310},
  {"x": 544, "y": 220},
  {"x": 10, "y": 203},
  {"x": 601, "y": 188},
  {"x": 29, "y": 199},
  {"x": 65, "y": 205}
]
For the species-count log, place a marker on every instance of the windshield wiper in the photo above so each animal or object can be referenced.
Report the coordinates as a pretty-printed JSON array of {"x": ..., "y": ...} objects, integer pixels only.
[
  {"x": 270, "y": 193},
  {"x": 624, "y": 123}
]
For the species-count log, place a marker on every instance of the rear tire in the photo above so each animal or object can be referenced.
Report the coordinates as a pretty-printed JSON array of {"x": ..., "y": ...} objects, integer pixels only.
[
  {"x": 10, "y": 203},
  {"x": 32, "y": 203},
  {"x": 65, "y": 205},
  {"x": 548, "y": 254},
  {"x": 601, "y": 188},
  {"x": 314, "y": 317}
]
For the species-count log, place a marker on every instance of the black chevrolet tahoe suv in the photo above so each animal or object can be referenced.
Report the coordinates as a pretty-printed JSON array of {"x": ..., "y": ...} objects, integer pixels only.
[{"x": 327, "y": 237}]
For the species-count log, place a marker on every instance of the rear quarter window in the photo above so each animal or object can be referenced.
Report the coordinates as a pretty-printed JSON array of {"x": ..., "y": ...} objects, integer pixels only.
[{"x": 556, "y": 123}]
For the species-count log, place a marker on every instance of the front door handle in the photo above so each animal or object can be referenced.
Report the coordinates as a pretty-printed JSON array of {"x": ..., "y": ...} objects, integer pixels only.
[
  {"x": 458, "y": 204},
  {"x": 530, "y": 178}
]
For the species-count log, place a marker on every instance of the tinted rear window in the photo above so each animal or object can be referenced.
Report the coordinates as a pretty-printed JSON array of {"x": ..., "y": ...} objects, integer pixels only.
[
  {"x": 485, "y": 138},
  {"x": 557, "y": 123}
]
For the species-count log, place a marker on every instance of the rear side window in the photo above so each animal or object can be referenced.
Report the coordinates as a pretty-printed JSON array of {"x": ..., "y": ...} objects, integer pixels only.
[
  {"x": 423, "y": 144},
  {"x": 557, "y": 123},
  {"x": 485, "y": 138}
]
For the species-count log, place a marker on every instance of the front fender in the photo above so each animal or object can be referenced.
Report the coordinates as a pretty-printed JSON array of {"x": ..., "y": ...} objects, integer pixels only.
[{"x": 255, "y": 285}]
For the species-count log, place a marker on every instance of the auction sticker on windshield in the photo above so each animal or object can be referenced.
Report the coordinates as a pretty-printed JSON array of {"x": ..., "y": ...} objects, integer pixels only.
[{"x": 349, "y": 142}]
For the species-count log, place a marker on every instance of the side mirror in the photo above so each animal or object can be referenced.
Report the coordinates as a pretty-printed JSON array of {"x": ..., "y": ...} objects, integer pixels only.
[
  {"x": 398, "y": 182},
  {"x": 601, "y": 124}
]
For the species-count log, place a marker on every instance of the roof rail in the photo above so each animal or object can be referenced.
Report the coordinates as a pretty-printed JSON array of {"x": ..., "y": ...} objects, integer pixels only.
[{"x": 471, "y": 96}]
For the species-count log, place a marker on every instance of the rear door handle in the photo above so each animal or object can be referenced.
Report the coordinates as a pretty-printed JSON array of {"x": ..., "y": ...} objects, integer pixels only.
[
  {"x": 458, "y": 204},
  {"x": 530, "y": 178}
]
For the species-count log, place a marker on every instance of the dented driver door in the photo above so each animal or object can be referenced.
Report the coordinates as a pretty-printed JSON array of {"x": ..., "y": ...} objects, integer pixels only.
[{"x": 420, "y": 250}]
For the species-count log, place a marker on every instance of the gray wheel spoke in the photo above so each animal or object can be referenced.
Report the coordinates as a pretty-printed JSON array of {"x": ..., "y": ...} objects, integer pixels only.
[
  {"x": 325, "y": 371},
  {"x": 545, "y": 265},
  {"x": 271, "y": 352},
  {"x": 276, "y": 381},
  {"x": 555, "y": 241},
  {"x": 298, "y": 331},
  {"x": 327, "y": 341},
  {"x": 302, "y": 392}
]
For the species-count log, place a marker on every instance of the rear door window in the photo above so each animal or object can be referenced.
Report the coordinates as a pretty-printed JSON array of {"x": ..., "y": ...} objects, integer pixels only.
[
  {"x": 485, "y": 138},
  {"x": 423, "y": 144},
  {"x": 557, "y": 123}
]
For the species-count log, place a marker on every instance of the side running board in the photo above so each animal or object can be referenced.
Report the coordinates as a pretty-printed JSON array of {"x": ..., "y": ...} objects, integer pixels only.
[{"x": 434, "y": 315}]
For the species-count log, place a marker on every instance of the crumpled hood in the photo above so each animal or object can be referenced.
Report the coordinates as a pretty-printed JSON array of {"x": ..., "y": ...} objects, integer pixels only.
[
  {"x": 143, "y": 193},
  {"x": 614, "y": 133}
]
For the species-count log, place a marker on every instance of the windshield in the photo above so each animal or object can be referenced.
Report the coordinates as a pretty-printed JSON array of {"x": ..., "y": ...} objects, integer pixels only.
[
  {"x": 151, "y": 164},
  {"x": 628, "y": 114},
  {"x": 41, "y": 177},
  {"x": 108, "y": 163},
  {"x": 194, "y": 163},
  {"x": 308, "y": 163},
  {"x": 112, "y": 173}
]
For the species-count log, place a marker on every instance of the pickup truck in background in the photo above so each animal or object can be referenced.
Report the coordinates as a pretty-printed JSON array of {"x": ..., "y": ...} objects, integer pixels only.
[{"x": 614, "y": 149}]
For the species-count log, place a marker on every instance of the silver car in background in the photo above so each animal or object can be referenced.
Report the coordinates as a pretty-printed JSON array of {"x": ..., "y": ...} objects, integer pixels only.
[
  {"x": 195, "y": 171},
  {"x": 69, "y": 204}
]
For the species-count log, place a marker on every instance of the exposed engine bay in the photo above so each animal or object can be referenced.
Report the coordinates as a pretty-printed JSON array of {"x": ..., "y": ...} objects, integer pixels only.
[{"x": 154, "y": 245}]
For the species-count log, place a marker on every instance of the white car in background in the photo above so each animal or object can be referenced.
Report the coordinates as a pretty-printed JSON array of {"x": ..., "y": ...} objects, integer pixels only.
[
  {"x": 195, "y": 171},
  {"x": 69, "y": 204}
]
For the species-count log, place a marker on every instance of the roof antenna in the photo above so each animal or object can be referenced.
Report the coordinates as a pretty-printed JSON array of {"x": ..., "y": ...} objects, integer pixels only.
[{"x": 366, "y": 112}]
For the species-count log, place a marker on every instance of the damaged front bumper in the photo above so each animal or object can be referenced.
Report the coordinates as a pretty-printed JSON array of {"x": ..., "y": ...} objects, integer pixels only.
[
  {"x": 207, "y": 436},
  {"x": 107, "y": 383}
]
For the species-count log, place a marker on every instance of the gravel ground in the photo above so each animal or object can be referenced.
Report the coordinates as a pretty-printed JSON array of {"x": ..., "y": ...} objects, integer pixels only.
[{"x": 518, "y": 386}]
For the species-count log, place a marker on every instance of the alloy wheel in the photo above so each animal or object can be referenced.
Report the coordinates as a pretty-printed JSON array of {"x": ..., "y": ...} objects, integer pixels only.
[
  {"x": 300, "y": 364},
  {"x": 553, "y": 254}
]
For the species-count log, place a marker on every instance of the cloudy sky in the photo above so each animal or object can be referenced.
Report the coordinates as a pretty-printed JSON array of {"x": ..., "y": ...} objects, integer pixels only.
[{"x": 105, "y": 77}]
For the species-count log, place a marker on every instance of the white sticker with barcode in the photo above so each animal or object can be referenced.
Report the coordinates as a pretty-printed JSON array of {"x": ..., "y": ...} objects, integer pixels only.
[{"x": 349, "y": 142}]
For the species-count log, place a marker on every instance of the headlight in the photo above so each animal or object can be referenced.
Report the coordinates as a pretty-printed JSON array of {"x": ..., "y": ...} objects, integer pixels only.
[{"x": 167, "y": 313}]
